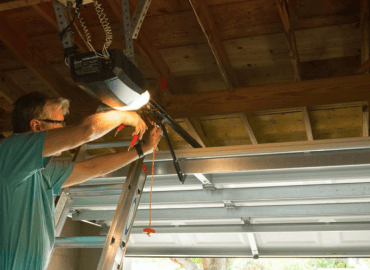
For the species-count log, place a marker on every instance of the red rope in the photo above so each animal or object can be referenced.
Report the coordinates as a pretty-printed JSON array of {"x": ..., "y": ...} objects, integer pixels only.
[{"x": 149, "y": 230}]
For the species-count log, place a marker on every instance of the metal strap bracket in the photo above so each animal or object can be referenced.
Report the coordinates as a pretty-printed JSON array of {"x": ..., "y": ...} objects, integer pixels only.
[
  {"x": 132, "y": 27},
  {"x": 141, "y": 9},
  {"x": 229, "y": 204}
]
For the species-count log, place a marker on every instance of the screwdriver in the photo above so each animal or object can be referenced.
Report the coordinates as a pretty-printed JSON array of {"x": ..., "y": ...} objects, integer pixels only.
[{"x": 134, "y": 139}]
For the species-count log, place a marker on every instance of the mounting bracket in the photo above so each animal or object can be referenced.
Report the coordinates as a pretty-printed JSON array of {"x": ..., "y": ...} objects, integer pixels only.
[
  {"x": 132, "y": 28},
  {"x": 62, "y": 20}
]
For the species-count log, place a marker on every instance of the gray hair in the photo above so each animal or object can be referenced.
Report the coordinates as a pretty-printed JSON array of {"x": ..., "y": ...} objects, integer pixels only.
[
  {"x": 32, "y": 106},
  {"x": 60, "y": 103}
]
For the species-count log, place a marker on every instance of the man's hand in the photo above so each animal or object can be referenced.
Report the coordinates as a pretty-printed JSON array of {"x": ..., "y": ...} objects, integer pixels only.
[
  {"x": 153, "y": 140},
  {"x": 104, "y": 164},
  {"x": 91, "y": 128},
  {"x": 133, "y": 119}
]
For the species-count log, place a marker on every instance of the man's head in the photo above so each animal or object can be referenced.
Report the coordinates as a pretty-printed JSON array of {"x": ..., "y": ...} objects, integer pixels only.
[{"x": 37, "y": 112}]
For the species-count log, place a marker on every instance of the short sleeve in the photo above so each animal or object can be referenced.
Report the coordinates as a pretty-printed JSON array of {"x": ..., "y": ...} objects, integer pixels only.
[
  {"x": 21, "y": 156},
  {"x": 58, "y": 172}
]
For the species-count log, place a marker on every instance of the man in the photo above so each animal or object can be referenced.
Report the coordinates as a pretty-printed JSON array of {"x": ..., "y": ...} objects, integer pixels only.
[{"x": 29, "y": 179}]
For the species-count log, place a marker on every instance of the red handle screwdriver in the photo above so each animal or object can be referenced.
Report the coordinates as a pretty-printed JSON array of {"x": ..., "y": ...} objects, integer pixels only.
[
  {"x": 134, "y": 139},
  {"x": 133, "y": 142},
  {"x": 119, "y": 129}
]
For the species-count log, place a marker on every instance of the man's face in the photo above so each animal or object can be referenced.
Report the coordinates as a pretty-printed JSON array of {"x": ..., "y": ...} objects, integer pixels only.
[{"x": 52, "y": 113}]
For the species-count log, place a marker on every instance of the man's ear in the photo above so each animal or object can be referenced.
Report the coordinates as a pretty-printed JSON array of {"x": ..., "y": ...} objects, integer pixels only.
[{"x": 35, "y": 125}]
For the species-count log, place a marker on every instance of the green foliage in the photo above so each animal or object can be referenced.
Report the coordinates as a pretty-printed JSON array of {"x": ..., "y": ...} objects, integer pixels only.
[
  {"x": 260, "y": 264},
  {"x": 198, "y": 261},
  {"x": 329, "y": 263}
]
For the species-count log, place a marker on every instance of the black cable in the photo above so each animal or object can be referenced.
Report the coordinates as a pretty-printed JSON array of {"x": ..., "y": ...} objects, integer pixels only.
[{"x": 63, "y": 32}]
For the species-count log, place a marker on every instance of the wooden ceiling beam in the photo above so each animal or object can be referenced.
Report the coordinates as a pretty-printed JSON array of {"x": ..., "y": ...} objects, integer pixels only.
[
  {"x": 34, "y": 60},
  {"x": 365, "y": 118},
  {"x": 270, "y": 97},
  {"x": 285, "y": 16},
  {"x": 12, "y": 4},
  {"x": 307, "y": 123},
  {"x": 215, "y": 43},
  {"x": 5, "y": 105},
  {"x": 9, "y": 89},
  {"x": 5, "y": 122},
  {"x": 149, "y": 53},
  {"x": 365, "y": 32},
  {"x": 250, "y": 126},
  {"x": 195, "y": 133},
  {"x": 46, "y": 14}
]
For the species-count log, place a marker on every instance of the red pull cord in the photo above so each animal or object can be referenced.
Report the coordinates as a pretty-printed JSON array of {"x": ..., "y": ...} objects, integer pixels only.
[{"x": 149, "y": 230}]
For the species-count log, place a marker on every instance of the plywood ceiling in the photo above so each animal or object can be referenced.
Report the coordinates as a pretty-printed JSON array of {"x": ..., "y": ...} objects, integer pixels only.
[{"x": 236, "y": 69}]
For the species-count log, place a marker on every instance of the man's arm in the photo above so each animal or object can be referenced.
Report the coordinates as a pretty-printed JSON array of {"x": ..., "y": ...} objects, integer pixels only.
[
  {"x": 91, "y": 128},
  {"x": 105, "y": 164}
]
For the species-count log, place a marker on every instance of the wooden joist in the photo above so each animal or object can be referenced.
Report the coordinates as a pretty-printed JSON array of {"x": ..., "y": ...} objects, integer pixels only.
[
  {"x": 194, "y": 132},
  {"x": 194, "y": 124},
  {"x": 9, "y": 89},
  {"x": 290, "y": 36},
  {"x": 156, "y": 61},
  {"x": 149, "y": 52},
  {"x": 365, "y": 31},
  {"x": 365, "y": 118},
  {"x": 34, "y": 60},
  {"x": 307, "y": 123},
  {"x": 215, "y": 43},
  {"x": 250, "y": 126},
  {"x": 19, "y": 3},
  {"x": 270, "y": 97},
  {"x": 47, "y": 15}
]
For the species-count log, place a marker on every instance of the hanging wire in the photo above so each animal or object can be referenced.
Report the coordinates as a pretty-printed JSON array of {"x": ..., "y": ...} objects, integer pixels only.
[
  {"x": 78, "y": 30},
  {"x": 106, "y": 27},
  {"x": 84, "y": 27},
  {"x": 64, "y": 31}
]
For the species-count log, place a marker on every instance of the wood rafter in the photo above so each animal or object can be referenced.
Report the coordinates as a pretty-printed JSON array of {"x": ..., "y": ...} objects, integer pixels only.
[
  {"x": 52, "y": 20},
  {"x": 284, "y": 11},
  {"x": 292, "y": 5},
  {"x": 251, "y": 127},
  {"x": 307, "y": 123},
  {"x": 9, "y": 89},
  {"x": 194, "y": 124},
  {"x": 364, "y": 67},
  {"x": 365, "y": 32},
  {"x": 5, "y": 105},
  {"x": 149, "y": 52},
  {"x": 19, "y": 3},
  {"x": 271, "y": 97},
  {"x": 215, "y": 43},
  {"x": 194, "y": 133},
  {"x": 365, "y": 118},
  {"x": 34, "y": 60}
]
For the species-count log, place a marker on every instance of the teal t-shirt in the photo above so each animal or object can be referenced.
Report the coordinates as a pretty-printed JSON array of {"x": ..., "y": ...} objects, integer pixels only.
[{"x": 28, "y": 183}]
